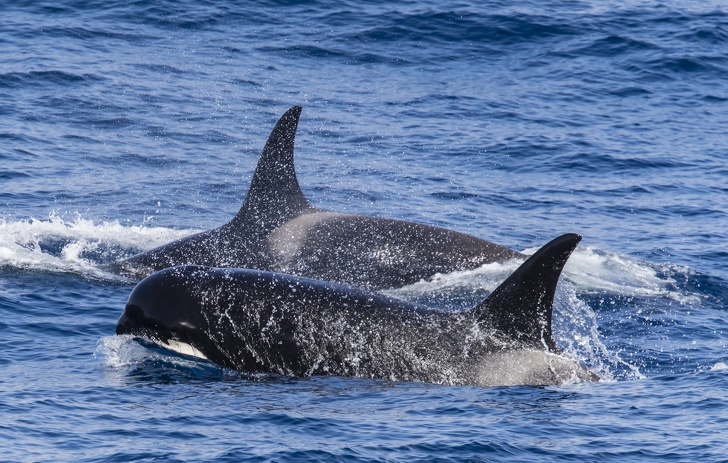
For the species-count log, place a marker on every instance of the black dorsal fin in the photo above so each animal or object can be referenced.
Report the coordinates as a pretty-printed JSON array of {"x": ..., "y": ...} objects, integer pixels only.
[
  {"x": 522, "y": 306},
  {"x": 274, "y": 195}
]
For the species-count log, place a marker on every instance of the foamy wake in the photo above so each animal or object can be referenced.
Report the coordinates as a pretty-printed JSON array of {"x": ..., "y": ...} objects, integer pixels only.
[
  {"x": 720, "y": 366},
  {"x": 589, "y": 270},
  {"x": 593, "y": 271},
  {"x": 75, "y": 246},
  {"x": 121, "y": 352}
]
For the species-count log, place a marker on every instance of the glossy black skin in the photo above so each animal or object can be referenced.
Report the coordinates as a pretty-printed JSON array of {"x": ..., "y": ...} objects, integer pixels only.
[
  {"x": 278, "y": 230},
  {"x": 259, "y": 321}
]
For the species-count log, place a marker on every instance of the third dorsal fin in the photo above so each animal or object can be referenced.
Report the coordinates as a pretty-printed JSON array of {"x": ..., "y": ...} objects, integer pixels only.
[
  {"x": 274, "y": 195},
  {"x": 522, "y": 306}
]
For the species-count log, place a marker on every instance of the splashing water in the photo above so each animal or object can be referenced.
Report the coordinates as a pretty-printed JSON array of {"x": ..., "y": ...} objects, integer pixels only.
[{"x": 78, "y": 246}]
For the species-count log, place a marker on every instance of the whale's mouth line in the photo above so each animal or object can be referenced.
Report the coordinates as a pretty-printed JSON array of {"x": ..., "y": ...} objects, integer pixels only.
[{"x": 182, "y": 348}]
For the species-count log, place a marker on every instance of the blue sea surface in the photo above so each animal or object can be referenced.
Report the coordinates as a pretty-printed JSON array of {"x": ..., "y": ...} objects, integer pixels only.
[{"x": 127, "y": 124}]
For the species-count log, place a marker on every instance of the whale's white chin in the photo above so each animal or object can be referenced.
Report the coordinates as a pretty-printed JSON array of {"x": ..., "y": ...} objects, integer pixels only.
[{"x": 182, "y": 348}]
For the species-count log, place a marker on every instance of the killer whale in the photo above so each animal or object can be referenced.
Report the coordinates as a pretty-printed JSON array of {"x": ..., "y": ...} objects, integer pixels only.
[
  {"x": 277, "y": 229},
  {"x": 258, "y": 321}
]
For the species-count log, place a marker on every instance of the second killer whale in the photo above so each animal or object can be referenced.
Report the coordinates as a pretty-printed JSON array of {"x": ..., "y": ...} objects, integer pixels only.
[
  {"x": 277, "y": 229},
  {"x": 257, "y": 321}
]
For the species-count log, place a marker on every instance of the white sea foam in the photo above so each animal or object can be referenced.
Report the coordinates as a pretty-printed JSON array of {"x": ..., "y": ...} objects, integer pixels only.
[
  {"x": 75, "y": 246},
  {"x": 588, "y": 270},
  {"x": 484, "y": 278},
  {"x": 720, "y": 366},
  {"x": 120, "y": 352},
  {"x": 593, "y": 271}
]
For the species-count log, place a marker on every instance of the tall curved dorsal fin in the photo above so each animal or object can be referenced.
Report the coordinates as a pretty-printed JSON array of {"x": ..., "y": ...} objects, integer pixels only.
[
  {"x": 522, "y": 306},
  {"x": 274, "y": 195}
]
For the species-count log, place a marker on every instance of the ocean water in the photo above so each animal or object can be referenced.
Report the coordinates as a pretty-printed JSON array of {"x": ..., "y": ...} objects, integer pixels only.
[{"x": 126, "y": 125}]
